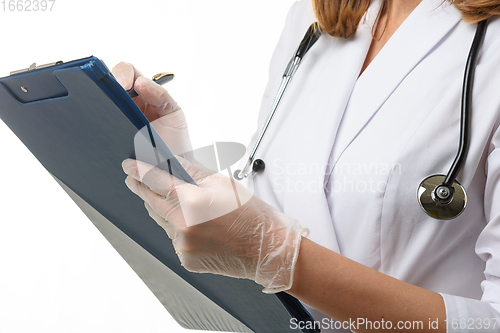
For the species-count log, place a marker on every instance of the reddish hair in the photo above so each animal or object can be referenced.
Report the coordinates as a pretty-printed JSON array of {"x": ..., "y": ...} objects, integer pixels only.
[{"x": 340, "y": 18}]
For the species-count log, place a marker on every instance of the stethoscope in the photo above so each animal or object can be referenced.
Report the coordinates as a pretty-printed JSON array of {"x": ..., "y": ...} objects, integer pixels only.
[{"x": 440, "y": 196}]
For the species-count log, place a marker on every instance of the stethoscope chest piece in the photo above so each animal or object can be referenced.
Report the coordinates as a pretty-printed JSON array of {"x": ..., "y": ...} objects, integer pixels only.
[{"x": 430, "y": 193}]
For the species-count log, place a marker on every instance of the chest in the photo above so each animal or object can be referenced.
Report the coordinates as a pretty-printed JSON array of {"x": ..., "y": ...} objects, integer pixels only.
[{"x": 360, "y": 143}]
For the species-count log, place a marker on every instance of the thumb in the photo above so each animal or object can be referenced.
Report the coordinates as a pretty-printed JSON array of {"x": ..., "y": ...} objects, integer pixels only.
[
  {"x": 125, "y": 74},
  {"x": 156, "y": 96}
]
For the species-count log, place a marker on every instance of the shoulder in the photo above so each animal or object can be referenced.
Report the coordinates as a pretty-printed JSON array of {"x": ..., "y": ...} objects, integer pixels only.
[
  {"x": 303, "y": 12},
  {"x": 300, "y": 17}
]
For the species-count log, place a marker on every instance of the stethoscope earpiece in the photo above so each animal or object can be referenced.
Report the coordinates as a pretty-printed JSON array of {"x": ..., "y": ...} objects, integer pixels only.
[
  {"x": 311, "y": 37},
  {"x": 258, "y": 165},
  {"x": 439, "y": 201}
]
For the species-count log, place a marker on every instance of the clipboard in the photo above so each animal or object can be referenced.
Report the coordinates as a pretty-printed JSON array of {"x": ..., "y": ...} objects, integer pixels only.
[{"x": 80, "y": 124}]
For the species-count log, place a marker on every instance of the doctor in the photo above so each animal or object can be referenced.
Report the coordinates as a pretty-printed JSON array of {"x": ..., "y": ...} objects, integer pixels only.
[{"x": 373, "y": 110}]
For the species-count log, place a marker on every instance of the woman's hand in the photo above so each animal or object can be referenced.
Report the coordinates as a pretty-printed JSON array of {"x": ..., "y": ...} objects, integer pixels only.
[
  {"x": 219, "y": 226},
  {"x": 158, "y": 106}
]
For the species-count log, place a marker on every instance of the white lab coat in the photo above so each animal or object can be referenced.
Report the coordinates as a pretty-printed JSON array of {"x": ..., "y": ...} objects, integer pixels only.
[{"x": 394, "y": 126}]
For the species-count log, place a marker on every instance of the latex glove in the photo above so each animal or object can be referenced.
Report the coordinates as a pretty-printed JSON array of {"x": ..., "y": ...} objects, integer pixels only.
[
  {"x": 158, "y": 106},
  {"x": 219, "y": 226}
]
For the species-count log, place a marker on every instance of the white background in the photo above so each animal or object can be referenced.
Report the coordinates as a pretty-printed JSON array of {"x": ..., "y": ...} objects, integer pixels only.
[{"x": 57, "y": 272}]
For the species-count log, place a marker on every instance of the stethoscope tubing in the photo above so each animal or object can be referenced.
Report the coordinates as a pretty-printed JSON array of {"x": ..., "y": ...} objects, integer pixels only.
[
  {"x": 465, "y": 120},
  {"x": 310, "y": 38},
  {"x": 442, "y": 194}
]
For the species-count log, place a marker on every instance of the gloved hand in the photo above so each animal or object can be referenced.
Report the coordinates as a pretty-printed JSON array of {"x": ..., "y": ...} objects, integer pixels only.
[
  {"x": 158, "y": 106},
  {"x": 219, "y": 226}
]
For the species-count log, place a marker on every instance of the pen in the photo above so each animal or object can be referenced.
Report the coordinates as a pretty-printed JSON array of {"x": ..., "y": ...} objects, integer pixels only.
[{"x": 160, "y": 78}]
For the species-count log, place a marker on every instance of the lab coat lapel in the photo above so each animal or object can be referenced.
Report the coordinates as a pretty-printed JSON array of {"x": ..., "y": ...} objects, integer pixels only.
[
  {"x": 419, "y": 34},
  {"x": 314, "y": 105}
]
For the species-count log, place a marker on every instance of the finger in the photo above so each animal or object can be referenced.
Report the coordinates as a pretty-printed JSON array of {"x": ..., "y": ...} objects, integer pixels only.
[
  {"x": 136, "y": 170},
  {"x": 167, "y": 208},
  {"x": 155, "y": 216},
  {"x": 195, "y": 169},
  {"x": 159, "y": 181},
  {"x": 169, "y": 228},
  {"x": 156, "y": 96},
  {"x": 125, "y": 74}
]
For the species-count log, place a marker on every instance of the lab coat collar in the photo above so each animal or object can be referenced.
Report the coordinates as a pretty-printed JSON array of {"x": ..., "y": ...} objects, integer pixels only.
[
  {"x": 429, "y": 23},
  {"x": 417, "y": 36},
  {"x": 320, "y": 90}
]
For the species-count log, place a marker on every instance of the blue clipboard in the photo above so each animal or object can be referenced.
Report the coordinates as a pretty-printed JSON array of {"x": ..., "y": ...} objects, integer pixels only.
[{"x": 80, "y": 124}]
